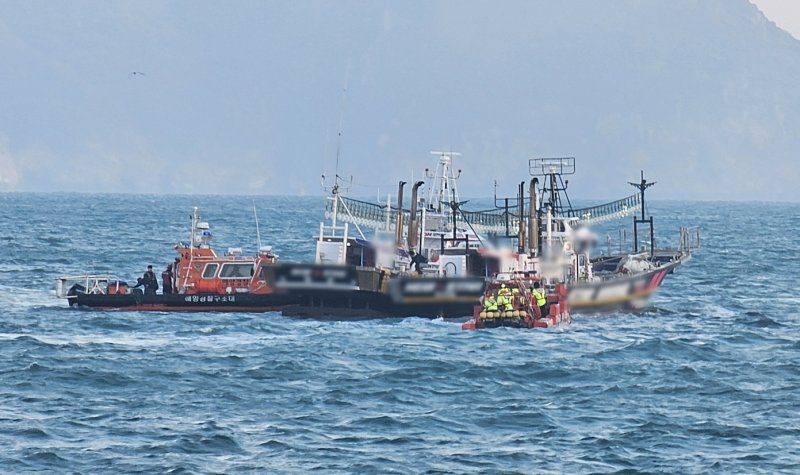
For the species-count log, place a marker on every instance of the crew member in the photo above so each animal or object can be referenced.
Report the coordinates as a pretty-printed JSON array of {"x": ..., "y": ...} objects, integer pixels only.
[
  {"x": 509, "y": 304},
  {"x": 417, "y": 260},
  {"x": 176, "y": 273},
  {"x": 166, "y": 280},
  {"x": 489, "y": 304},
  {"x": 504, "y": 290},
  {"x": 504, "y": 301},
  {"x": 541, "y": 299},
  {"x": 149, "y": 281}
]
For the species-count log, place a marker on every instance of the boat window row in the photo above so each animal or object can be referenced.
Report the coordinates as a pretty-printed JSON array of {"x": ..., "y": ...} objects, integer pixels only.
[{"x": 228, "y": 271}]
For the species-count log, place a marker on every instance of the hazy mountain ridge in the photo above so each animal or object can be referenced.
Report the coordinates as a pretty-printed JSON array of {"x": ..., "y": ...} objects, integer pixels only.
[{"x": 698, "y": 93}]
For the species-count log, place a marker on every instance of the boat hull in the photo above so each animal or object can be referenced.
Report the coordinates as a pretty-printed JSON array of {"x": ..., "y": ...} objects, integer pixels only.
[
  {"x": 185, "y": 303},
  {"x": 401, "y": 297},
  {"x": 367, "y": 304},
  {"x": 622, "y": 293},
  {"x": 550, "y": 321}
]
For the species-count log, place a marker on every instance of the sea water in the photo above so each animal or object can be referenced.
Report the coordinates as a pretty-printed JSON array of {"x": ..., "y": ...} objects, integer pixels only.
[{"x": 706, "y": 380}]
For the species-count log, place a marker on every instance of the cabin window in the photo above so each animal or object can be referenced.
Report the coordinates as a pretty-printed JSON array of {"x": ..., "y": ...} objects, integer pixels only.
[
  {"x": 210, "y": 271},
  {"x": 236, "y": 271}
]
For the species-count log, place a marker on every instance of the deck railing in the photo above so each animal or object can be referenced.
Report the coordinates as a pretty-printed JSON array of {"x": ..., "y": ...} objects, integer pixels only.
[
  {"x": 608, "y": 211},
  {"x": 490, "y": 220}
]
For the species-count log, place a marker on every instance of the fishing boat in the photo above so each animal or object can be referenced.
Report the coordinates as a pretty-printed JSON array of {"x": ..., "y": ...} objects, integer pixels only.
[
  {"x": 203, "y": 281},
  {"x": 551, "y": 237},
  {"x": 614, "y": 280},
  {"x": 359, "y": 275}
]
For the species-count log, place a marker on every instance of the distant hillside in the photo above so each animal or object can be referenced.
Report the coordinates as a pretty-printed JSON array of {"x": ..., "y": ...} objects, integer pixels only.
[{"x": 701, "y": 94}]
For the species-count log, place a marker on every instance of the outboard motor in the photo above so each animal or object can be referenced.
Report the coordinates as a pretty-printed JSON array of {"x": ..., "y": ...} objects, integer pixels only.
[{"x": 74, "y": 291}]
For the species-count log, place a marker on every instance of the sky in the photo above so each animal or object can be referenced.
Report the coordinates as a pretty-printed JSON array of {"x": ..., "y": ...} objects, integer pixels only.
[{"x": 247, "y": 98}]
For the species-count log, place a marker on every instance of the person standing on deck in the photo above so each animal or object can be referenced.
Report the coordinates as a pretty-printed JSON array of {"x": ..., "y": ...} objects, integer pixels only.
[
  {"x": 150, "y": 282},
  {"x": 166, "y": 280},
  {"x": 539, "y": 296},
  {"x": 176, "y": 274},
  {"x": 417, "y": 260},
  {"x": 516, "y": 298}
]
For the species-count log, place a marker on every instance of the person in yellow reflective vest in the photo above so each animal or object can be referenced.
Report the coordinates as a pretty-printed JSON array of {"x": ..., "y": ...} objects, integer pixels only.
[
  {"x": 539, "y": 296},
  {"x": 504, "y": 302},
  {"x": 489, "y": 304},
  {"x": 504, "y": 292}
]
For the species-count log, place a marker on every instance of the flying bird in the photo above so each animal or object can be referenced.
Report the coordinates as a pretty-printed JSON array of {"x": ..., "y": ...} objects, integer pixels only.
[{"x": 136, "y": 73}]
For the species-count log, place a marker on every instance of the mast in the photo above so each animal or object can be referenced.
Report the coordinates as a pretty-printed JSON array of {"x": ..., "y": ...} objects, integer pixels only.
[
  {"x": 443, "y": 182},
  {"x": 552, "y": 170},
  {"x": 258, "y": 231},
  {"x": 642, "y": 186},
  {"x": 554, "y": 186}
]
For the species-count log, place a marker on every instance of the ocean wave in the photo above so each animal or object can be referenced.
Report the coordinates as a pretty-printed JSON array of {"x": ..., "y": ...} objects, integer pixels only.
[
  {"x": 89, "y": 339},
  {"x": 703, "y": 380},
  {"x": 22, "y": 298}
]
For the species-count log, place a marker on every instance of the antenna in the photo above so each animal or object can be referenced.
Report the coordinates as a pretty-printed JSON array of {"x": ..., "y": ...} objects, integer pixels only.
[
  {"x": 258, "y": 232},
  {"x": 195, "y": 217},
  {"x": 334, "y": 189},
  {"x": 341, "y": 117},
  {"x": 554, "y": 169}
]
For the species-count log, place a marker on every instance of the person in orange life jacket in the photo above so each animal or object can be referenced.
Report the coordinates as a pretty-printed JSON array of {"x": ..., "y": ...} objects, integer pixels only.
[{"x": 166, "y": 280}]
